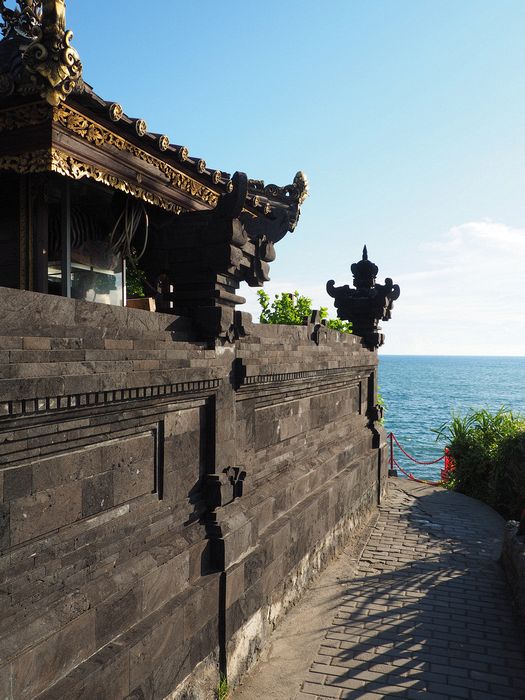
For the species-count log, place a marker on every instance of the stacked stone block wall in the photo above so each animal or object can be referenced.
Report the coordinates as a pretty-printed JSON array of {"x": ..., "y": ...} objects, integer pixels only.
[
  {"x": 164, "y": 500},
  {"x": 513, "y": 561}
]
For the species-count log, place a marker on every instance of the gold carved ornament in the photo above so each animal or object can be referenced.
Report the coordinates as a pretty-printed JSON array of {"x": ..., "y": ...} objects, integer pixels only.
[
  {"x": 94, "y": 133},
  {"x": 54, "y": 65},
  {"x": 24, "y": 116},
  {"x": 64, "y": 164},
  {"x": 115, "y": 112},
  {"x": 34, "y": 162}
]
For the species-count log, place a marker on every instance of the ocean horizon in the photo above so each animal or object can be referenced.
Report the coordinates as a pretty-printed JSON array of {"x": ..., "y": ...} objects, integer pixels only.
[{"x": 421, "y": 392}]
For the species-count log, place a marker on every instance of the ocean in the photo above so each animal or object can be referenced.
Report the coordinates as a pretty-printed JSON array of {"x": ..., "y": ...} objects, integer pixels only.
[{"x": 421, "y": 392}]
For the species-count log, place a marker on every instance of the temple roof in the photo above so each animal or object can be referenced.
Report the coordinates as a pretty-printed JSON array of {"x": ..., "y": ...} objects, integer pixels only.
[{"x": 50, "y": 119}]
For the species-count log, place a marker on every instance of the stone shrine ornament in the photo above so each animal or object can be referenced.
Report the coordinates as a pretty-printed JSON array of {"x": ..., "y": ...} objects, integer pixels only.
[{"x": 367, "y": 304}]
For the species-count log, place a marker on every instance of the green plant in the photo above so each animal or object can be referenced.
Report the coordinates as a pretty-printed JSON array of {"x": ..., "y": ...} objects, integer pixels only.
[
  {"x": 135, "y": 281},
  {"x": 382, "y": 404},
  {"x": 487, "y": 450},
  {"x": 292, "y": 308},
  {"x": 287, "y": 308},
  {"x": 337, "y": 325},
  {"x": 223, "y": 690}
]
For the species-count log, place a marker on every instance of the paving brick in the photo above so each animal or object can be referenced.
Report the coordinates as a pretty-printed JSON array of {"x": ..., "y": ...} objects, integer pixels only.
[
  {"x": 426, "y": 617},
  {"x": 322, "y": 691}
]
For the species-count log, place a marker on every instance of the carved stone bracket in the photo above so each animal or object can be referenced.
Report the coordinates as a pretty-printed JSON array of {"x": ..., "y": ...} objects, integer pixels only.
[
  {"x": 222, "y": 489},
  {"x": 367, "y": 304},
  {"x": 317, "y": 326},
  {"x": 374, "y": 414},
  {"x": 206, "y": 255}
]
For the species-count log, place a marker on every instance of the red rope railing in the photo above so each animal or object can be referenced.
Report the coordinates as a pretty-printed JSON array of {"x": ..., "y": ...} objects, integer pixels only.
[
  {"x": 394, "y": 463},
  {"x": 435, "y": 461}
]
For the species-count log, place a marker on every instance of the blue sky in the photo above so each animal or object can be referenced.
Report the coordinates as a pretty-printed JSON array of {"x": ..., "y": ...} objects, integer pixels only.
[{"x": 406, "y": 115}]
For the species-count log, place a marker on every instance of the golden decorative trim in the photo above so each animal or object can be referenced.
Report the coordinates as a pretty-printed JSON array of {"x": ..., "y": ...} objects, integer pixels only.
[
  {"x": 115, "y": 112},
  {"x": 183, "y": 154},
  {"x": 25, "y": 115},
  {"x": 64, "y": 164},
  {"x": 164, "y": 143},
  {"x": 95, "y": 133},
  {"x": 201, "y": 165},
  {"x": 141, "y": 127},
  {"x": 216, "y": 177},
  {"x": 35, "y": 162}
]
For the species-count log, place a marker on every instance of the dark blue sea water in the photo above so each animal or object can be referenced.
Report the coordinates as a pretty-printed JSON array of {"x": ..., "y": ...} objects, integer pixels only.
[{"x": 422, "y": 391}]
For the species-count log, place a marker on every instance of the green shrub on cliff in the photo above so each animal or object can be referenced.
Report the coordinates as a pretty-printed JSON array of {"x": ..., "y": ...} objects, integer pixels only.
[
  {"x": 487, "y": 451},
  {"x": 291, "y": 308}
]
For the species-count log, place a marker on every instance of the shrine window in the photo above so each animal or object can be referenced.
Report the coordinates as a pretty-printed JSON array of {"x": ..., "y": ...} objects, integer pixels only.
[{"x": 55, "y": 238}]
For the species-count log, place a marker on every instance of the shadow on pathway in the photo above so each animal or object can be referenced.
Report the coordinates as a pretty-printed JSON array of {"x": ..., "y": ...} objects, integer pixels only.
[{"x": 427, "y": 613}]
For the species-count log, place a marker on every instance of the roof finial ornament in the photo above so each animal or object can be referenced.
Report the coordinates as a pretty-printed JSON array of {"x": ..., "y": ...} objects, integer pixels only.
[
  {"x": 367, "y": 304},
  {"x": 53, "y": 63},
  {"x": 23, "y": 20}
]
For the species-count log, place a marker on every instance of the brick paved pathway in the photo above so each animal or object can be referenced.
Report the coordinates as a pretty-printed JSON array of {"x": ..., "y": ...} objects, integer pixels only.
[{"x": 427, "y": 613}]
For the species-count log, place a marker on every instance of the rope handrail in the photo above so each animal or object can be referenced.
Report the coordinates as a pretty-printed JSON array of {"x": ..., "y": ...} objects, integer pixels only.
[
  {"x": 435, "y": 461},
  {"x": 413, "y": 478}
]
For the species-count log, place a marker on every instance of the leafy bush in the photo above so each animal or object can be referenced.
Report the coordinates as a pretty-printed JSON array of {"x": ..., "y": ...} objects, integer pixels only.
[
  {"x": 135, "y": 281},
  {"x": 286, "y": 308},
  {"x": 337, "y": 325},
  {"x": 291, "y": 309},
  {"x": 488, "y": 455}
]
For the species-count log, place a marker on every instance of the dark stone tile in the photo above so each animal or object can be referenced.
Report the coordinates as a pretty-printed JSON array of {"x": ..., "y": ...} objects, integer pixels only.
[
  {"x": 53, "y": 658},
  {"x": 165, "y": 582},
  {"x": 17, "y": 482},
  {"x": 97, "y": 494},
  {"x": 116, "y": 616},
  {"x": 151, "y": 652},
  {"x": 4, "y": 527},
  {"x": 49, "y": 510}
]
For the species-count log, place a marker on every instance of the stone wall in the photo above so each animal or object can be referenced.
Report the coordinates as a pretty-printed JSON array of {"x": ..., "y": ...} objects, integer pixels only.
[
  {"x": 164, "y": 500},
  {"x": 513, "y": 561}
]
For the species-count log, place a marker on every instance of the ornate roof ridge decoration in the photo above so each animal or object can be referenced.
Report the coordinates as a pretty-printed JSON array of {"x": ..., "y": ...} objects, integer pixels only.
[
  {"x": 49, "y": 65},
  {"x": 54, "y": 64},
  {"x": 23, "y": 20},
  {"x": 37, "y": 59},
  {"x": 95, "y": 133},
  {"x": 297, "y": 192},
  {"x": 367, "y": 304}
]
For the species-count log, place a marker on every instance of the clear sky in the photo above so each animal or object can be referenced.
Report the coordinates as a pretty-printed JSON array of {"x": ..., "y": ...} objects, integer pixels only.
[{"x": 408, "y": 117}]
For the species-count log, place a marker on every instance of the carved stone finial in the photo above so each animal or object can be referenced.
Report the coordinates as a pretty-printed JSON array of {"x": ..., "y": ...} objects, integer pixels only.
[
  {"x": 367, "y": 304},
  {"x": 53, "y": 63},
  {"x": 364, "y": 272}
]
